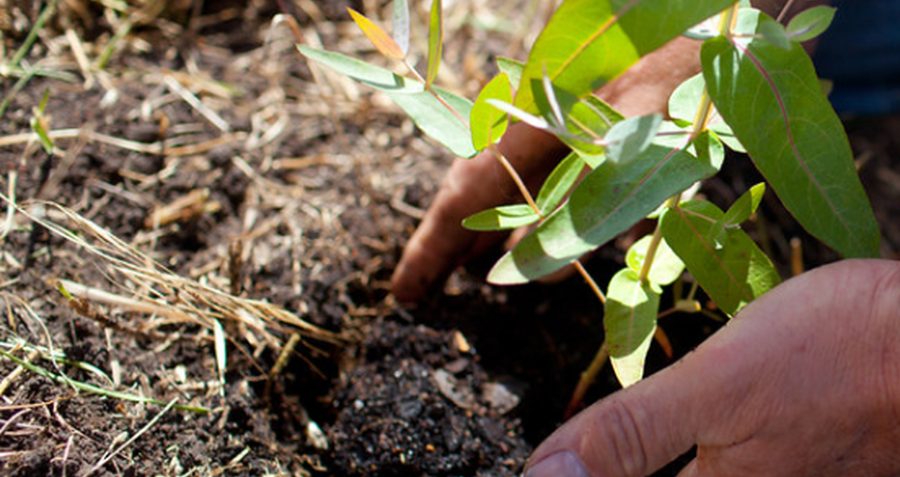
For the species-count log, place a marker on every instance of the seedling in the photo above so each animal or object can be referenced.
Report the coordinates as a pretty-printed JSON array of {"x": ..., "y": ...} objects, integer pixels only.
[{"x": 758, "y": 92}]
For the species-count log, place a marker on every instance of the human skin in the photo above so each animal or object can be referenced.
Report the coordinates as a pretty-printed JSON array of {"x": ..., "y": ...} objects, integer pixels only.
[
  {"x": 440, "y": 243},
  {"x": 805, "y": 381}
]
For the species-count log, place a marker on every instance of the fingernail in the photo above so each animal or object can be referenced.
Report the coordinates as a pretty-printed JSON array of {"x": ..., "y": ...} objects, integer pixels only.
[{"x": 560, "y": 464}]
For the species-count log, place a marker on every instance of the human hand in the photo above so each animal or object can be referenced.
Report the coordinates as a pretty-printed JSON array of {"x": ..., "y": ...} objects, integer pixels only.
[
  {"x": 804, "y": 381},
  {"x": 441, "y": 243}
]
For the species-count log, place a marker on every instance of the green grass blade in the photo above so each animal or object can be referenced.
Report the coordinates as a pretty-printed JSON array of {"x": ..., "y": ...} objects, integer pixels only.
[
  {"x": 90, "y": 388},
  {"x": 772, "y": 100},
  {"x": 435, "y": 41},
  {"x": 731, "y": 269},
  {"x": 629, "y": 321},
  {"x": 576, "y": 44}
]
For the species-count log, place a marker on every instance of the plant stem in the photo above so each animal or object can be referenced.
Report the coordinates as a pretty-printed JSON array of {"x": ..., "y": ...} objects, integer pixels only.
[
  {"x": 516, "y": 178},
  {"x": 590, "y": 281},
  {"x": 434, "y": 93},
  {"x": 655, "y": 241},
  {"x": 587, "y": 377},
  {"x": 728, "y": 20}
]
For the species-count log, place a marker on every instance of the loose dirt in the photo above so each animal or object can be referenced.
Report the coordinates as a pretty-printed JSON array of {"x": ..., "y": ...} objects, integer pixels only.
[{"x": 216, "y": 228}]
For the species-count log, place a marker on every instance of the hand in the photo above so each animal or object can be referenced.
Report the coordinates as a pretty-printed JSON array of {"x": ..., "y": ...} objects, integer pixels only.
[
  {"x": 441, "y": 243},
  {"x": 804, "y": 381}
]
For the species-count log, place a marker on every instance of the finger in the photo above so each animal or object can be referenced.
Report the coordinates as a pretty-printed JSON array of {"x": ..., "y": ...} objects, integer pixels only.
[
  {"x": 441, "y": 243},
  {"x": 690, "y": 470},
  {"x": 710, "y": 396}
]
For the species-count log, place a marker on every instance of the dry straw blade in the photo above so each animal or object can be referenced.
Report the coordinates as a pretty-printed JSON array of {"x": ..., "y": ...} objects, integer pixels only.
[{"x": 154, "y": 290}]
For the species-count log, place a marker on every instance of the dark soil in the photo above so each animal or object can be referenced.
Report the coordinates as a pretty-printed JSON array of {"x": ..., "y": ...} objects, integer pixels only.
[{"x": 303, "y": 199}]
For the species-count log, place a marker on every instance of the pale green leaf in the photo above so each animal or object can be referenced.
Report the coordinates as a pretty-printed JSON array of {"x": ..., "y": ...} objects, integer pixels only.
[
  {"x": 363, "y": 72},
  {"x": 558, "y": 183},
  {"x": 400, "y": 25},
  {"x": 684, "y": 103},
  {"x": 381, "y": 40},
  {"x": 429, "y": 114},
  {"x": 435, "y": 41},
  {"x": 629, "y": 321},
  {"x": 666, "y": 267},
  {"x": 810, "y": 23},
  {"x": 733, "y": 272},
  {"x": 512, "y": 68},
  {"x": 774, "y": 33},
  {"x": 772, "y": 100},
  {"x": 504, "y": 217},
  {"x": 628, "y": 138},
  {"x": 609, "y": 200},
  {"x": 587, "y": 43},
  {"x": 590, "y": 118},
  {"x": 745, "y": 206},
  {"x": 487, "y": 122}
]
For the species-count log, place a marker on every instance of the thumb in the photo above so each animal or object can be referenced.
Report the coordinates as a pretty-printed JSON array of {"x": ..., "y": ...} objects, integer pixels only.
[
  {"x": 638, "y": 430},
  {"x": 629, "y": 434}
]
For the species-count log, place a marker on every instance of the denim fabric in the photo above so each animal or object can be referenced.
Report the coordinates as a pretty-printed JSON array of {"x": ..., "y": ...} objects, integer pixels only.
[{"x": 860, "y": 53}]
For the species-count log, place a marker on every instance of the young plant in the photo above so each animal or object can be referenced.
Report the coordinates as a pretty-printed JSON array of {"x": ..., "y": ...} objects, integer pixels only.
[{"x": 758, "y": 93}]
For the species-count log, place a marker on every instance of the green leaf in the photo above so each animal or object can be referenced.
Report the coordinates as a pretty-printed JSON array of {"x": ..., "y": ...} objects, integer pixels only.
[
  {"x": 745, "y": 206},
  {"x": 512, "y": 68},
  {"x": 487, "y": 122},
  {"x": 590, "y": 118},
  {"x": 630, "y": 137},
  {"x": 577, "y": 46},
  {"x": 429, "y": 114},
  {"x": 684, "y": 103},
  {"x": 629, "y": 320},
  {"x": 772, "y": 100},
  {"x": 609, "y": 200},
  {"x": 382, "y": 41},
  {"x": 774, "y": 33},
  {"x": 400, "y": 25},
  {"x": 734, "y": 271},
  {"x": 810, "y": 23},
  {"x": 666, "y": 267},
  {"x": 435, "y": 120},
  {"x": 558, "y": 183},
  {"x": 435, "y": 41},
  {"x": 374, "y": 76},
  {"x": 504, "y": 217}
]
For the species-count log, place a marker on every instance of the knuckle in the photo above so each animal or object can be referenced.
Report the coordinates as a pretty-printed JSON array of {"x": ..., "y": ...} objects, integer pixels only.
[{"x": 624, "y": 440}]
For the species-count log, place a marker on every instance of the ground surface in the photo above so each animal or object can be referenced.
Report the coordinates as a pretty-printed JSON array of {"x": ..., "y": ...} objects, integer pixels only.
[{"x": 233, "y": 255}]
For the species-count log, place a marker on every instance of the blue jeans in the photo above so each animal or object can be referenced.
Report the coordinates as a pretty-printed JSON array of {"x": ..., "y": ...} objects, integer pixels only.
[{"x": 860, "y": 53}]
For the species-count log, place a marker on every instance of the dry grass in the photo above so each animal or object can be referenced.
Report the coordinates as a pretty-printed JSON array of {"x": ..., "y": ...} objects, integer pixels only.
[{"x": 289, "y": 134}]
